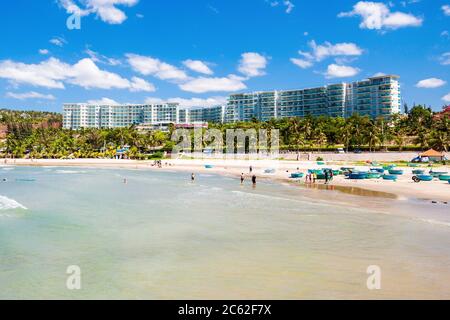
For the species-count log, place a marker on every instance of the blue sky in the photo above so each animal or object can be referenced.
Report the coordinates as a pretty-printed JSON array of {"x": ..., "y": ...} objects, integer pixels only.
[{"x": 198, "y": 52}]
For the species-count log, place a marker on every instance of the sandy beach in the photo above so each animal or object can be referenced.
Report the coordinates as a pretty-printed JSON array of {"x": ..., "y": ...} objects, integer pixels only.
[{"x": 403, "y": 188}]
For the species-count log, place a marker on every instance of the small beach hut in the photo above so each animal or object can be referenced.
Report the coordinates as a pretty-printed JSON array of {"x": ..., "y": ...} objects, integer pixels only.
[{"x": 433, "y": 155}]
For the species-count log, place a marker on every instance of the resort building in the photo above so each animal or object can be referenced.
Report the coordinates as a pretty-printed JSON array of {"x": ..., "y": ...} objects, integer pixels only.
[
  {"x": 375, "y": 97},
  {"x": 77, "y": 116},
  {"x": 146, "y": 116}
]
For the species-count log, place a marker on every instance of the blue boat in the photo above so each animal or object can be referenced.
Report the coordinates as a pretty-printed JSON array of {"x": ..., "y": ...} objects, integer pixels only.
[
  {"x": 297, "y": 175},
  {"x": 269, "y": 171},
  {"x": 416, "y": 172},
  {"x": 358, "y": 176},
  {"x": 209, "y": 166},
  {"x": 437, "y": 174},
  {"x": 378, "y": 170},
  {"x": 396, "y": 172},
  {"x": 444, "y": 177},
  {"x": 425, "y": 177},
  {"x": 390, "y": 177}
]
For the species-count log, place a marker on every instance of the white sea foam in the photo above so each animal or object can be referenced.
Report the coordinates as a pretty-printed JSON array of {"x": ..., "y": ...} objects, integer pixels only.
[
  {"x": 8, "y": 204},
  {"x": 69, "y": 171},
  {"x": 435, "y": 222},
  {"x": 8, "y": 168}
]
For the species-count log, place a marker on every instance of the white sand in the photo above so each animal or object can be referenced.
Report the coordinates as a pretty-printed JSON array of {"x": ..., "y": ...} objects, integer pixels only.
[{"x": 403, "y": 188}]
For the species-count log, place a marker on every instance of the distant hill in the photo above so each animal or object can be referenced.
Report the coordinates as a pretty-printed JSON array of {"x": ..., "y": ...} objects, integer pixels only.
[{"x": 35, "y": 118}]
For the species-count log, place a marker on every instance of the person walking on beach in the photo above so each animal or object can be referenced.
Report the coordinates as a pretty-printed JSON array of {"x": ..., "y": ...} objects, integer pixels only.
[
  {"x": 327, "y": 175},
  {"x": 314, "y": 177},
  {"x": 254, "y": 180},
  {"x": 242, "y": 178}
]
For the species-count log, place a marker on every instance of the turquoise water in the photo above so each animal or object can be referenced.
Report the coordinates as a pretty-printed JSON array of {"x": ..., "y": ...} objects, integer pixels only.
[{"x": 162, "y": 237}]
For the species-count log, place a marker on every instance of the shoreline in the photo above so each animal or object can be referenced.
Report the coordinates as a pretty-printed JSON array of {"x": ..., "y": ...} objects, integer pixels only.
[{"x": 403, "y": 189}]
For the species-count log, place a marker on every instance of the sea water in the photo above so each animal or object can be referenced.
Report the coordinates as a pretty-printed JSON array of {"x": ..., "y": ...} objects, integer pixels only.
[{"x": 160, "y": 236}]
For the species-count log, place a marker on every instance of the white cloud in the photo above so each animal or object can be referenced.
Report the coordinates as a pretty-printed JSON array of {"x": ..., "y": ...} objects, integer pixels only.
[
  {"x": 198, "y": 66},
  {"x": 252, "y": 64},
  {"x": 106, "y": 10},
  {"x": 224, "y": 84},
  {"x": 43, "y": 51},
  {"x": 321, "y": 52},
  {"x": 103, "y": 102},
  {"x": 378, "y": 16},
  {"x": 446, "y": 98},
  {"x": 289, "y": 5},
  {"x": 151, "y": 66},
  {"x": 53, "y": 73},
  {"x": 96, "y": 57},
  {"x": 339, "y": 71},
  {"x": 445, "y": 59},
  {"x": 58, "y": 41},
  {"x": 189, "y": 103},
  {"x": 139, "y": 84},
  {"x": 431, "y": 83},
  {"x": 326, "y": 50},
  {"x": 30, "y": 95},
  {"x": 446, "y": 9},
  {"x": 304, "y": 64}
]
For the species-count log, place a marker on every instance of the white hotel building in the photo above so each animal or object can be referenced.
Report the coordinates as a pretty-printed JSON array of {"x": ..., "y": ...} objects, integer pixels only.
[{"x": 374, "y": 97}]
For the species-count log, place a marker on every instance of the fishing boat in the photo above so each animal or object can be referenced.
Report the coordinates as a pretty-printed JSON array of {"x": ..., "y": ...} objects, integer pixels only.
[
  {"x": 297, "y": 175},
  {"x": 337, "y": 172},
  {"x": 25, "y": 180},
  {"x": 373, "y": 175},
  {"x": 209, "y": 166},
  {"x": 417, "y": 172},
  {"x": 316, "y": 171},
  {"x": 437, "y": 174},
  {"x": 358, "y": 176},
  {"x": 377, "y": 170},
  {"x": 396, "y": 172},
  {"x": 389, "y": 167},
  {"x": 390, "y": 177},
  {"x": 423, "y": 177},
  {"x": 320, "y": 163},
  {"x": 444, "y": 177},
  {"x": 347, "y": 168},
  {"x": 413, "y": 165},
  {"x": 269, "y": 171}
]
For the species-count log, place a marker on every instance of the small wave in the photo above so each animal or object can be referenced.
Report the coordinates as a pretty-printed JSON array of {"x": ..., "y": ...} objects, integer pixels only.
[
  {"x": 69, "y": 171},
  {"x": 435, "y": 222},
  {"x": 8, "y": 204},
  {"x": 8, "y": 168}
]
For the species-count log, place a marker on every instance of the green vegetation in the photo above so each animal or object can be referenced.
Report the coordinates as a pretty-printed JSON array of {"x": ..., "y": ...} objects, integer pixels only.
[
  {"x": 8, "y": 117},
  {"x": 415, "y": 131}
]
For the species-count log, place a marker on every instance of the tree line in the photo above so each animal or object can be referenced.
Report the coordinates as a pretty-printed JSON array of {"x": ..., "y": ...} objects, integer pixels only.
[{"x": 416, "y": 130}]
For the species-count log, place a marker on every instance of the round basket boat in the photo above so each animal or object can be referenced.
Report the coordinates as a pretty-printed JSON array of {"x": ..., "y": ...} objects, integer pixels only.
[
  {"x": 297, "y": 175},
  {"x": 373, "y": 175},
  {"x": 444, "y": 177},
  {"x": 424, "y": 177},
  {"x": 390, "y": 177},
  {"x": 418, "y": 172},
  {"x": 358, "y": 176},
  {"x": 395, "y": 172}
]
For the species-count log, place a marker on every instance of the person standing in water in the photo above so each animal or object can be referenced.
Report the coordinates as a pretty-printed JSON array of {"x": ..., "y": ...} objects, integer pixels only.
[
  {"x": 242, "y": 178},
  {"x": 251, "y": 169},
  {"x": 193, "y": 177},
  {"x": 254, "y": 180}
]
